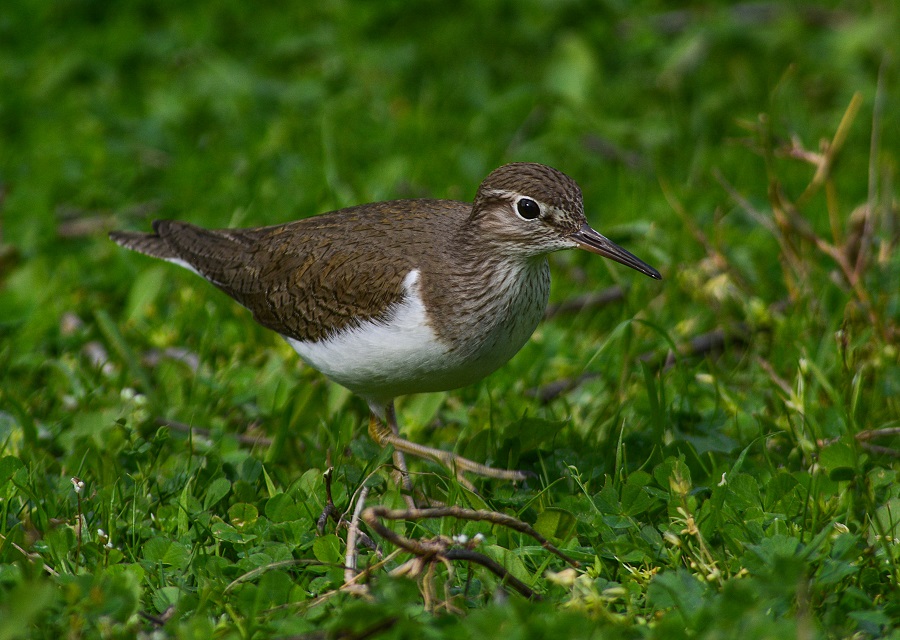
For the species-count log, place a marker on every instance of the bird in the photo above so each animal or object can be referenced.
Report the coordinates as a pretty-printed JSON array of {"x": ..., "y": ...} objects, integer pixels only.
[{"x": 405, "y": 296}]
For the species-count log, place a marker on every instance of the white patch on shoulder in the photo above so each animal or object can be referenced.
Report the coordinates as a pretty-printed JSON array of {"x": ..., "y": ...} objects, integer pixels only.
[
  {"x": 186, "y": 265},
  {"x": 380, "y": 360}
]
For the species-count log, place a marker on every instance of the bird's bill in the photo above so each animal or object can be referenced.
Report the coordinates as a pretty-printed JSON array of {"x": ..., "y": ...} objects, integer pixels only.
[{"x": 590, "y": 240}]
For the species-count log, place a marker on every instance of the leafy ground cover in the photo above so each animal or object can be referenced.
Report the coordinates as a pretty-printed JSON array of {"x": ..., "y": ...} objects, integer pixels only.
[{"x": 718, "y": 452}]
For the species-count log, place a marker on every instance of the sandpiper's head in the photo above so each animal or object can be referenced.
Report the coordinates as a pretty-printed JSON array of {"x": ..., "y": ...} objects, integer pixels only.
[{"x": 531, "y": 209}]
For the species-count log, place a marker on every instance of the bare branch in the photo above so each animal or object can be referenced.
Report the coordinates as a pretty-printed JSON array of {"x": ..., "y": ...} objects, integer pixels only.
[
  {"x": 495, "y": 568},
  {"x": 206, "y": 433},
  {"x": 372, "y": 514},
  {"x": 350, "y": 558}
]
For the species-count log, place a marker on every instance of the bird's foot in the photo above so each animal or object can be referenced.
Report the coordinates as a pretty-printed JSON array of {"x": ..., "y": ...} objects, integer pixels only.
[{"x": 383, "y": 435}]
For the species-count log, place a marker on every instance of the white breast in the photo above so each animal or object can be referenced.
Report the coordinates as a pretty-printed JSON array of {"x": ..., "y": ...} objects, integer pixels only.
[
  {"x": 381, "y": 359},
  {"x": 402, "y": 354}
]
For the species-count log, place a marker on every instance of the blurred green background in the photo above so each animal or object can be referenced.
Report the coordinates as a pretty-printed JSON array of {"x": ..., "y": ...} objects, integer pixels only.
[{"x": 685, "y": 125}]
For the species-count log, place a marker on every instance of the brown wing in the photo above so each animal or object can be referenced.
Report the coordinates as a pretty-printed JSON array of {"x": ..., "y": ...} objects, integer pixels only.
[{"x": 311, "y": 278}]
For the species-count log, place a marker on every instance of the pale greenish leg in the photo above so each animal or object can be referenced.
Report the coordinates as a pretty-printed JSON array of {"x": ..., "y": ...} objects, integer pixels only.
[{"x": 388, "y": 434}]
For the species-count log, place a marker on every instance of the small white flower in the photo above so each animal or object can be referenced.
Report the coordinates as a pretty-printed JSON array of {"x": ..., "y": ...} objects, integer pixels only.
[
  {"x": 479, "y": 537},
  {"x": 672, "y": 539},
  {"x": 78, "y": 485},
  {"x": 565, "y": 578},
  {"x": 722, "y": 482},
  {"x": 461, "y": 539},
  {"x": 130, "y": 395}
]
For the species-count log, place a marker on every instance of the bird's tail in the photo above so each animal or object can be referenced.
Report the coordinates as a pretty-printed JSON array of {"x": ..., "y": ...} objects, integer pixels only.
[
  {"x": 216, "y": 255},
  {"x": 151, "y": 244}
]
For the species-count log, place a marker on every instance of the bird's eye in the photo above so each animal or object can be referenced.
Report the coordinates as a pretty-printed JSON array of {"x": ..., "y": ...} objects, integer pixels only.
[{"x": 528, "y": 208}]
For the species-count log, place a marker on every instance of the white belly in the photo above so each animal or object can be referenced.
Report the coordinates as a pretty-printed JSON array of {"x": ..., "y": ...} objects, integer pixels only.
[
  {"x": 402, "y": 354},
  {"x": 374, "y": 357}
]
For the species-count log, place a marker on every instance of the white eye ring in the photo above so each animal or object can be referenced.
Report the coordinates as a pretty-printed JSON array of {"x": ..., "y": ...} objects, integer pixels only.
[{"x": 527, "y": 208}]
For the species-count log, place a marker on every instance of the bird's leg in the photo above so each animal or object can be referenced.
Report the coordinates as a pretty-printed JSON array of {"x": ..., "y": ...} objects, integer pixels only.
[
  {"x": 377, "y": 431},
  {"x": 389, "y": 435}
]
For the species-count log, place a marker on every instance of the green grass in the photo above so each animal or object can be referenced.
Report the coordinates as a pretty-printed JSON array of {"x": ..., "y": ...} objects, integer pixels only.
[{"x": 746, "y": 488}]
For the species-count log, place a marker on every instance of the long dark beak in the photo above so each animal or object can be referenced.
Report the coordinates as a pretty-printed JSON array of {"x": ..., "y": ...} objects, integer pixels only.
[{"x": 592, "y": 241}]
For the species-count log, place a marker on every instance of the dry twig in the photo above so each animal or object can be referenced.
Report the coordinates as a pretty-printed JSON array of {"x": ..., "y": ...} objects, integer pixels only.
[
  {"x": 330, "y": 511},
  {"x": 439, "y": 549},
  {"x": 206, "y": 433},
  {"x": 352, "y": 534},
  {"x": 595, "y": 300}
]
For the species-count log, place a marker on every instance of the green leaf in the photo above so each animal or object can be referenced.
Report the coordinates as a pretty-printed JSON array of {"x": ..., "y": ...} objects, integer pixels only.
[
  {"x": 270, "y": 486},
  {"x": 636, "y": 500},
  {"x": 673, "y": 475},
  {"x": 121, "y": 592},
  {"x": 24, "y": 605},
  {"x": 275, "y": 588},
  {"x": 114, "y": 339},
  {"x": 144, "y": 290},
  {"x": 166, "y": 597},
  {"x": 833, "y": 572},
  {"x": 676, "y": 589},
  {"x": 657, "y": 414},
  {"x": 887, "y": 520},
  {"x": 876, "y": 618},
  {"x": 742, "y": 491},
  {"x": 532, "y": 433},
  {"x": 226, "y": 533},
  {"x": 509, "y": 561},
  {"x": 183, "y": 518},
  {"x": 242, "y": 516},
  {"x": 557, "y": 525},
  {"x": 839, "y": 460},
  {"x": 572, "y": 70},
  {"x": 327, "y": 549},
  {"x": 167, "y": 552},
  {"x": 282, "y": 508},
  {"x": 639, "y": 479},
  {"x": 9, "y": 466},
  {"x": 217, "y": 490}
]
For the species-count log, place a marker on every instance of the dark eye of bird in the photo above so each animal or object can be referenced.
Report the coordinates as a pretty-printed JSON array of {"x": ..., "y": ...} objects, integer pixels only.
[{"x": 528, "y": 208}]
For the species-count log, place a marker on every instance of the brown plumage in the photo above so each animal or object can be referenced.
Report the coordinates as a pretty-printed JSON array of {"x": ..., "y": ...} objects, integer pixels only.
[{"x": 400, "y": 297}]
